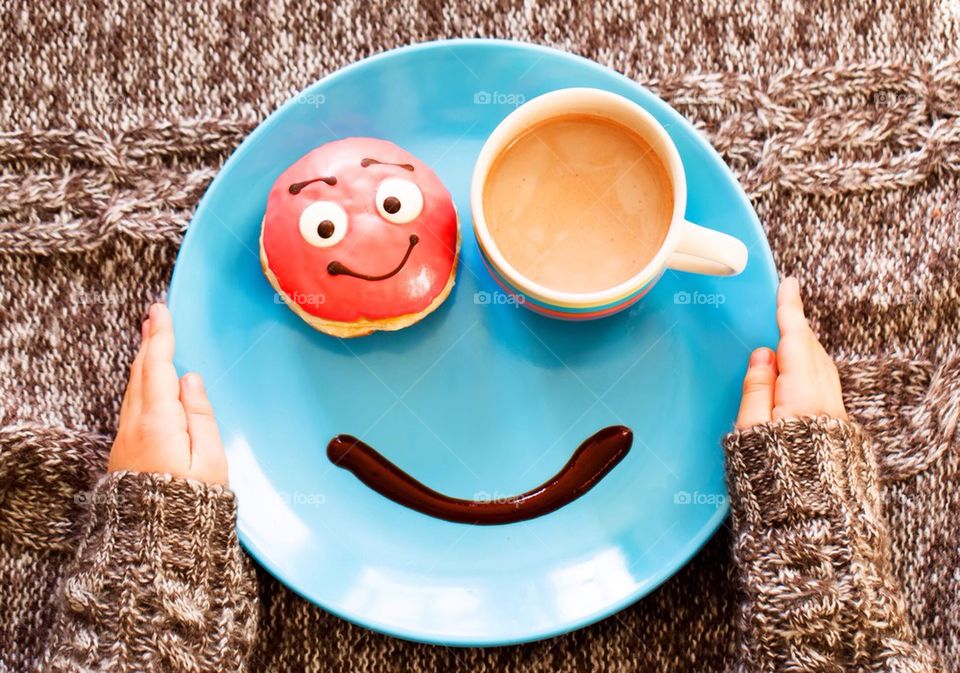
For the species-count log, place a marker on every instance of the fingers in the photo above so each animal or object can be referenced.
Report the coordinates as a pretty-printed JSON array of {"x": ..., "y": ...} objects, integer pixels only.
[
  {"x": 201, "y": 423},
  {"x": 808, "y": 384},
  {"x": 207, "y": 460},
  {"x": 756, "y": 404},
  {"x": 160, "y": 382},
  {"x": 133, "y": 395},
  {"x": 798, "y": 344},
  {"x": 790, "y": 316}
]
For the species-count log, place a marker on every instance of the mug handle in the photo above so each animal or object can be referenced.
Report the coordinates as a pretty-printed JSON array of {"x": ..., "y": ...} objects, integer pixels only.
[{"x": 708, "y": 251}]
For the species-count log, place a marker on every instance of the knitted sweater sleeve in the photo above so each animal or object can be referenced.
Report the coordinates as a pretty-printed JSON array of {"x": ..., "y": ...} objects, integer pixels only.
[
  {"x": 812, "y": 552},
  {"x": 159, "y": 582}
]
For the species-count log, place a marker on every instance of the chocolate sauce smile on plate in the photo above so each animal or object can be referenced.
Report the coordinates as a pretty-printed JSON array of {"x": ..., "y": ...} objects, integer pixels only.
[{"x": 590, "y": 463}]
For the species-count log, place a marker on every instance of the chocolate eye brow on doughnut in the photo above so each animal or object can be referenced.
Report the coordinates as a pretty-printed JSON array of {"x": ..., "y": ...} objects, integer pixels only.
[
  {"x": 296, "y": 187},
  {"x": 370, "y": 162}
]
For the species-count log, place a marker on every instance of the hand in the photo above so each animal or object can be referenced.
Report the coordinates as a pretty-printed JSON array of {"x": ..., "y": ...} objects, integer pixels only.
[
  {"x": 800, "y": 379},
  {"x": 166, "y": 425}
]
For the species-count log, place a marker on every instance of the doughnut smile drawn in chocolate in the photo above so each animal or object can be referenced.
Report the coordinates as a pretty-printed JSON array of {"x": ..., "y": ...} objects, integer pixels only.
[
  {"x": 590, "y": 463},
  {"x": 336, "y": 268}
]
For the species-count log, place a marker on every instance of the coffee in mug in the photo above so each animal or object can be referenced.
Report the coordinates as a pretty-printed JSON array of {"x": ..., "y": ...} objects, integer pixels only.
[{"x": 578, "y": 203}]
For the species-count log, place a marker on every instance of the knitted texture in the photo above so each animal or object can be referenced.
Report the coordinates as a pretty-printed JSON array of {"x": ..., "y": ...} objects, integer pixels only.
[
  {"x": 839, "y": 119},
  {"x": 159, "y": 582},
  {"x": 812, "y": 551}
]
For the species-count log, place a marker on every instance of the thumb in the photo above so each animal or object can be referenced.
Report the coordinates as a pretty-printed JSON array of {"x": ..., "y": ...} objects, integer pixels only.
[
  {"x": 756, "y": 404},
  {"x": 207, "y": 460}
]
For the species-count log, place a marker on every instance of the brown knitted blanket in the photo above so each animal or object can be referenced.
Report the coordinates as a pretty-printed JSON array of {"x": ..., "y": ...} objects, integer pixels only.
[{"x": 842, "y": 122}]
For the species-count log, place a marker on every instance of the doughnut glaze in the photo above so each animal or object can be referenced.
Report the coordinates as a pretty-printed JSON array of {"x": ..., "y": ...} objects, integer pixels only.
[{"x": 360, "y": 230}]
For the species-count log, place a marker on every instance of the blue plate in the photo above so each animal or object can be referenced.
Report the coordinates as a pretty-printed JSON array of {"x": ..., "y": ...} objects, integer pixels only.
[{"x": 481, "y": 398}]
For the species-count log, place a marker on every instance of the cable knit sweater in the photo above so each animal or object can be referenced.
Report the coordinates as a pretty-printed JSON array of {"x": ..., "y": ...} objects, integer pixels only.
[
  {"x": 813, "y": 553},
  {"x": 841, "y": 121},
  {"x": 156, "y": 580}
]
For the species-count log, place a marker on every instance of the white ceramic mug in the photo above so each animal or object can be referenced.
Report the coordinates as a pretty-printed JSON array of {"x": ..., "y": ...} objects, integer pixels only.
[{"x": 686, "y": 247}]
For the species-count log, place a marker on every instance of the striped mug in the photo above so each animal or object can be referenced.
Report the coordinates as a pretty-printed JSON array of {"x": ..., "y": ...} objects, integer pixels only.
[{"x": 686, "y": 246}]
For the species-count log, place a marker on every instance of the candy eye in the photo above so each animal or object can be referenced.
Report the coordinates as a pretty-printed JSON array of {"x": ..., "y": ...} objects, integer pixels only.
[
  {"x": 399, "y": 201},
  {"x": 323, "y": 223}
]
